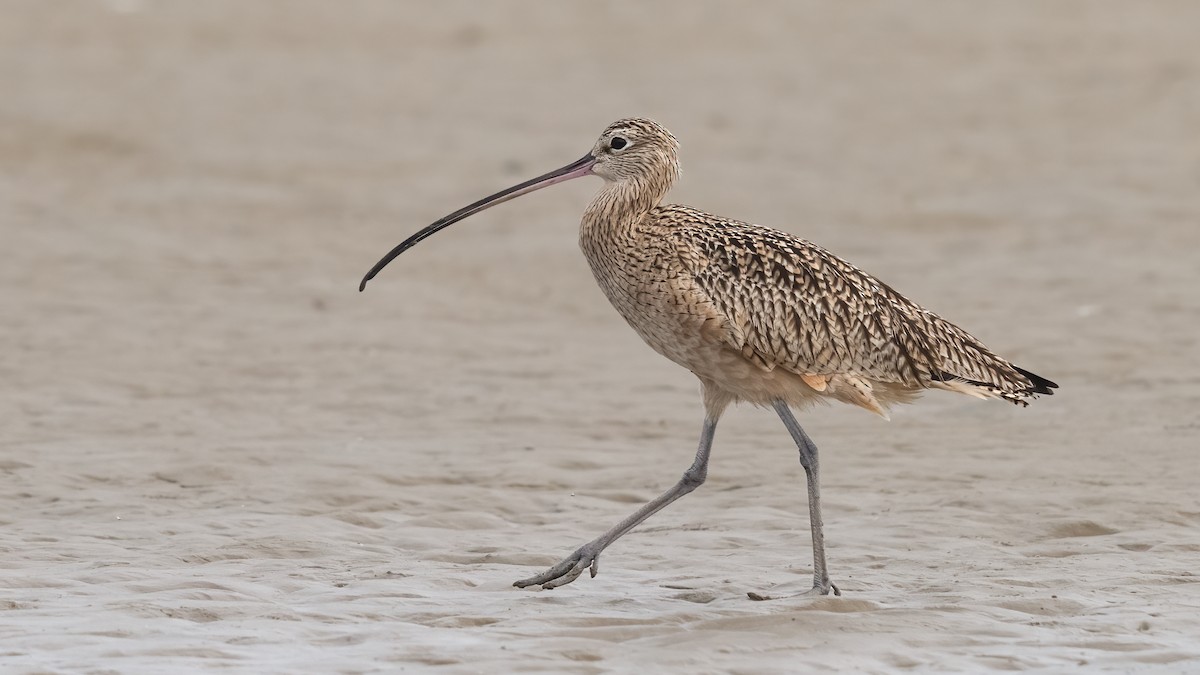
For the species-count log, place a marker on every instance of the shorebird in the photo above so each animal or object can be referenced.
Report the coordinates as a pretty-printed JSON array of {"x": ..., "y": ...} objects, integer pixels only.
[{"x": 757, "y": 314}]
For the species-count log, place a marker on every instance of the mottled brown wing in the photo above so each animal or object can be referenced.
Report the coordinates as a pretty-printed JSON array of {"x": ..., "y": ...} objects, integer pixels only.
[{"x": 791, "y": 304}]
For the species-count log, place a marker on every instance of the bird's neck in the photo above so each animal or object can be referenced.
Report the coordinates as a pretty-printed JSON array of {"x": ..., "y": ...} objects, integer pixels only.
[{"x": 621, "y": 204}]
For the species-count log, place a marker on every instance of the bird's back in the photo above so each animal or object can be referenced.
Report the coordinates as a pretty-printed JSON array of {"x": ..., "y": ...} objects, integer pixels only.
[{"x": 786, "y": 303}]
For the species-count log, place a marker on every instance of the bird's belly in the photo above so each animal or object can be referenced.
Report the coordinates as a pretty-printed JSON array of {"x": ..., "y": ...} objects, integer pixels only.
[
  {"x": 698, "y": 344},
  {"x": 666, "y": 327},
  {"x": 682, "y": 327}
]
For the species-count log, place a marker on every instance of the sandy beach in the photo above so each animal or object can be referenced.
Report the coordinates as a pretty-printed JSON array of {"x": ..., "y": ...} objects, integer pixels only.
[{"x": 219, "y": 456}]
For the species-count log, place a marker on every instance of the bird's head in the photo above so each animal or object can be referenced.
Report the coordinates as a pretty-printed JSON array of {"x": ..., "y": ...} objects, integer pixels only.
[{"x": 636, "y": 149}]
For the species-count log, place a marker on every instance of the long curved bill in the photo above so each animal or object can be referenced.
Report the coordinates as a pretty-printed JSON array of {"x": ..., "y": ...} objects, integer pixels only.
[{"x": 580, "y": 167}]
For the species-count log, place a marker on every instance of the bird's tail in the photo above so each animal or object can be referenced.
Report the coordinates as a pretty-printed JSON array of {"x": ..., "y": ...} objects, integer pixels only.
[
  {"x": 1040, "y": 384},
  {"x": 1016, "y": 390}
]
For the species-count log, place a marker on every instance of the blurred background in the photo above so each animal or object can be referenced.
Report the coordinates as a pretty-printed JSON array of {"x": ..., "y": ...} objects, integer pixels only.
[{"x": 191, "y": 191}]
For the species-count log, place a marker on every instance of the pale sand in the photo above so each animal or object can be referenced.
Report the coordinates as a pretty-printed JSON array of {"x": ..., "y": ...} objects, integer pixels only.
[{"x": 219, "y": 456}]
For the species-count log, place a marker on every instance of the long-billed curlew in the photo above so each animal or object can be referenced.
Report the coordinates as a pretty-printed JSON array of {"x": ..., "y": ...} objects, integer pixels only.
[{"x": 757, "y": 314}]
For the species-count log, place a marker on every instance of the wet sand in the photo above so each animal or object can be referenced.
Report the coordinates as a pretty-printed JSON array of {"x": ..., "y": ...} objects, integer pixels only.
[{"x": 217, "y": 455}]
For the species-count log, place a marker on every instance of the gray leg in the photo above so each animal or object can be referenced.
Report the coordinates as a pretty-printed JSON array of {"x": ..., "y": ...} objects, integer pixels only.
[
  {"x": 588, "y": 555},
  {"x": 812, "y": 469}
]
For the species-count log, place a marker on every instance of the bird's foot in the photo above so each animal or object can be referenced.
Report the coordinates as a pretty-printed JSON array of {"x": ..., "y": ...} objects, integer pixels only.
[
  {"x": 817, "y": 590},
  {"x": 584, "y": 557}
]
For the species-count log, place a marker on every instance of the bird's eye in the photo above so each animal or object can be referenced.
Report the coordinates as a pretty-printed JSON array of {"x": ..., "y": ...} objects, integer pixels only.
[{"x": 617, "y": 143}]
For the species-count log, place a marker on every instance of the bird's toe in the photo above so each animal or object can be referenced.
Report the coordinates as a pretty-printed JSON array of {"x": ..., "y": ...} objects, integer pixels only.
[
  {"x": 566, "y": 571},
  {"x": 817, "y": 590}
]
